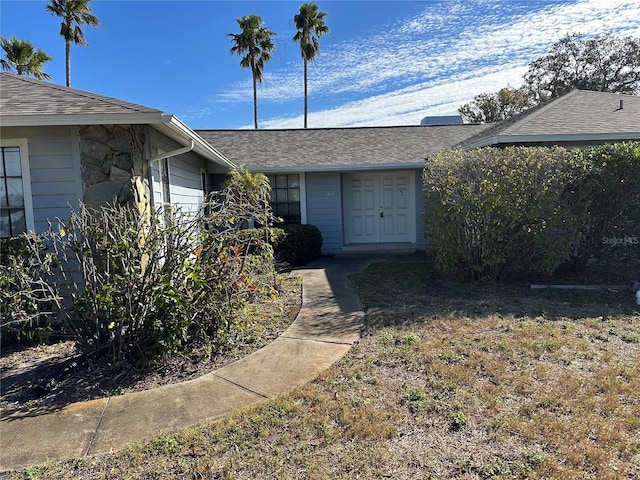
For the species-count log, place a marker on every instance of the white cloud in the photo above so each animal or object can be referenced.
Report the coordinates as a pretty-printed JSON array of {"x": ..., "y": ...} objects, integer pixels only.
[
  {"x": 406, "y": 106},
  {"x": 432, "y": 63}
]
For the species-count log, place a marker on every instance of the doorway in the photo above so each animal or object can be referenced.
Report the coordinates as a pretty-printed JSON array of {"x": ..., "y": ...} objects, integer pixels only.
[{"x": 379, "y": 207}]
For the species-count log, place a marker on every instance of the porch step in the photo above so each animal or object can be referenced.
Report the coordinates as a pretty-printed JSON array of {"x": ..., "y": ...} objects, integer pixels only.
[{"x": 403, "y": 248}]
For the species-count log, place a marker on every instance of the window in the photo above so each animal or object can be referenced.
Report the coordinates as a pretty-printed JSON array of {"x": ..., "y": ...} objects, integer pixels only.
[
  {"x": 15, "y": 191},
  {"x": 285, "y": 197}
]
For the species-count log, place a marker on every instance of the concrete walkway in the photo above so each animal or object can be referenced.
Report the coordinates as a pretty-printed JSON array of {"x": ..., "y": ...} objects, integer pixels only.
[{"x": 328, "y": 324}]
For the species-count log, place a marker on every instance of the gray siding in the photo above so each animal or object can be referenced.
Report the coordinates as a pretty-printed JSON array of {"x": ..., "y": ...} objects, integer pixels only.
[
  {"x": 186, "y": 185},
  {"x": 184, "y": 174},
  {"x": 324, "y": 208},
  {"x": 54, "y": 161}
]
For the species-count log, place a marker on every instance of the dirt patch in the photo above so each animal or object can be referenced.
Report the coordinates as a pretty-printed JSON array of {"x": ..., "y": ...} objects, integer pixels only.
[{"x": 48, "y": 377}]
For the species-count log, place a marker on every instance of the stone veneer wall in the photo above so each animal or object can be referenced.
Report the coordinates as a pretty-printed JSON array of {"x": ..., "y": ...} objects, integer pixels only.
[{"x": 111, "y": 157}]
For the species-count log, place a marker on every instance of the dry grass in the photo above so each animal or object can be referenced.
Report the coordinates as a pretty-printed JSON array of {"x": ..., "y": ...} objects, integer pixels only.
[{"x": 448, "y": 381}]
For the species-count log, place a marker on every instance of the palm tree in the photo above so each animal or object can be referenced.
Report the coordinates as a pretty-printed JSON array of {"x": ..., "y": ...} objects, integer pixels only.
[
  {"x": 24, "y": 57},
  {"x": 254, "y": 42},
  {"x": 310, "y": 27},
  {"x": 73, "y": 13}
]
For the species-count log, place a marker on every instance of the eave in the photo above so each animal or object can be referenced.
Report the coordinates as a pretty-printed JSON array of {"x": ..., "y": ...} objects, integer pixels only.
[{"x": 175, "y": 129}]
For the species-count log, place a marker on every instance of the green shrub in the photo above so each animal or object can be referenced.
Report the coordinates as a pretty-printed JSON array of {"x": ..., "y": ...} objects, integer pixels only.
[
  {"x": 492, "y": 212},
  {"x": 300, "y": 244},
  {"x": 611, "y": 227}
]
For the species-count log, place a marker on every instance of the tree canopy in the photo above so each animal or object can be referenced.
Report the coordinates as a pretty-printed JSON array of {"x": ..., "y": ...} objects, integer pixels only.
[
  {"x": 495, "y": 107},
  {"x": 606, "y": 63}
]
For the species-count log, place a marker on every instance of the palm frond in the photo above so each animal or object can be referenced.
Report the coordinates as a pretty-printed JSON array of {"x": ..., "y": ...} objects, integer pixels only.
[{"x": 24, "y": 57}]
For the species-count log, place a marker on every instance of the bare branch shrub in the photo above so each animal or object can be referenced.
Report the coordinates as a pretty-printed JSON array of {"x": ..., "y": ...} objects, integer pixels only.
[
  {"x": 142, "y": 286},
  {"x": 29, "y": 301}
]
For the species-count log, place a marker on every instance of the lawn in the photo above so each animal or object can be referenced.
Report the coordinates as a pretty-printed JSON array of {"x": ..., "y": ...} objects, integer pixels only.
[{"x": 477, "y": 381}]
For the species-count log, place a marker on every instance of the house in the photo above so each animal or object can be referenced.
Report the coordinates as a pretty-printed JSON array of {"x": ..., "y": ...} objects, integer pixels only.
[
  {"x": 362, "y": 186},
  {"x": 60, "y": 146}
]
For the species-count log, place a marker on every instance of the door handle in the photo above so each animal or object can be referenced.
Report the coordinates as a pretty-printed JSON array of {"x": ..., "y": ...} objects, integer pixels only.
[{"x": 381, "y": 213}]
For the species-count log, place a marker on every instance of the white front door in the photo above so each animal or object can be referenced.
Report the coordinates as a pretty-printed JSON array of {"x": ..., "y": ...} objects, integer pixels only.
[{"x": 379, "y": 207}]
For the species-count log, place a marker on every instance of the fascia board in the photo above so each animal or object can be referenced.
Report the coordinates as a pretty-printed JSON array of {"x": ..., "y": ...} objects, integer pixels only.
[
  {"x": 581, "y": 137},
  {"x": 94, "y": 119},
  {"x": 557, "y": 138},
  {"x": 168, "y": 124},
  {"x": 493, "y": 140}
]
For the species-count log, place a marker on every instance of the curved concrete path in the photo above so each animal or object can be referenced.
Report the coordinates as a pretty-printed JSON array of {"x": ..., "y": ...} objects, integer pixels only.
[{"x": 328, "y": 324}]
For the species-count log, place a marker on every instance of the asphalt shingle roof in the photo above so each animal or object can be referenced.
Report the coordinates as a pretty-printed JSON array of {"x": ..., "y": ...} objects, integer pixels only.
[
  {"x": 337, "y": 148},
  {"x": 26, "y": 101},
  {"x": 579, "y": 113},
  {"x": 25, "y": 96}
]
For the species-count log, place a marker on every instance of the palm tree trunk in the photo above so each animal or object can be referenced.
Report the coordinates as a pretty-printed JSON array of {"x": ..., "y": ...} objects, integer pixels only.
[
  {"x": 305, "y": 93},
  {"x": 255, "y": 103},
  {"x": 67, "y": 50}
]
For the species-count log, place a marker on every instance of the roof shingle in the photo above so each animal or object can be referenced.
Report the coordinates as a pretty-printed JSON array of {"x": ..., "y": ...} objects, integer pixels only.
[
  {"x": 25, "y": 96},
  {"x": 337, "y": 148}
]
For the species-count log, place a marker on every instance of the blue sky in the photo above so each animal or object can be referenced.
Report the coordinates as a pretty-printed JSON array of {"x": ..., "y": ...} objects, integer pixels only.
[{"x": 383, "y": 62}]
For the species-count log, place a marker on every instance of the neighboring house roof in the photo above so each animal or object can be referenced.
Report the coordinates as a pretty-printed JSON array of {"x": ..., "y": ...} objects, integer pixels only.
[
  {"x": 337, "y": 148},
  {"x": 581, "y": 116},
  {"x": 25, "y": 102}
]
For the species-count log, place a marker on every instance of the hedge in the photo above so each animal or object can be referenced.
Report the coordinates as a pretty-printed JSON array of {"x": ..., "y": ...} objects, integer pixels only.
[
  {"x": 300, "y": 244},
  {"x": 491, "y": 213}
]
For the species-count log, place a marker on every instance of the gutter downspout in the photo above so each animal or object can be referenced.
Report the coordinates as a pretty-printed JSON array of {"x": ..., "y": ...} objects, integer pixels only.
[
  {"x": 173, "y": 153},
  {"x": 160, "y": 156}
]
